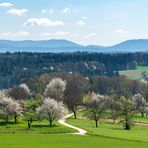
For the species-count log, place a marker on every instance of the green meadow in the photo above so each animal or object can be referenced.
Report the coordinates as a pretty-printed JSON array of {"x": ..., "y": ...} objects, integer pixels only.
[
  {"x": 134, "y": 74},
  {"x": 65, "y": 141},
  {"x": 42, "y": 136}
]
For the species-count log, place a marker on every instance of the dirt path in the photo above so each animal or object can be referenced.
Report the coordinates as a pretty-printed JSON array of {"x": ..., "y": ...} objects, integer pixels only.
[
  {"x": 80, "y": 131},
  {"x": 140, "y": 124},
  {"x": 83, "y": 132}
]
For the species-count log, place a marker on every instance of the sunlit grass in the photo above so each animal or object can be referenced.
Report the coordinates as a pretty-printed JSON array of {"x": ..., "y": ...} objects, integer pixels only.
[
  {"x": 134, "y": 74},
  {"x": 137, "y": 133}
]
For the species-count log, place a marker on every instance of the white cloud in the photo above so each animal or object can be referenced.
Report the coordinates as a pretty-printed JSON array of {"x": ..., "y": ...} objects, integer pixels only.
[
  {"x": 6, "y": 4},
  {"x": 47, "y": 11},
  {"x": 66, "y": 10},
  {"x": 80, "y": 23},
  {"x": 6, "y": 34},
  {"x": 19, "y": 12},
  {"x": 43, "y": 22},
  {"x": 20, "y": 34},
  {"x": 121, "y": 31},
  {"x": 75, "y": 34},
  {"x": 46, "y": 34},
  {"x": 70, "y": 10},
  {"x": 84, "y": 17},
  {"x": 58, "y": 33},
  {"x": 61, "y": 33},
  {"x": 90, "y": 35}
]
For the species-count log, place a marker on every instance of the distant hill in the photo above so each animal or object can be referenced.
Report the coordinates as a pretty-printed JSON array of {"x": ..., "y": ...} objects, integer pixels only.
[
  {"x": 56, "y": 45},
  {"x": 36, "y": 46},
  {"x": 131, "y": 46}
]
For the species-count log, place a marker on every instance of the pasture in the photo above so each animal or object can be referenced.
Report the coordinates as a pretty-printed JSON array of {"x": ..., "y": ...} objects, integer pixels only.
[
  {"x": 134, "y": 74},
  {"x": 58, "y": 136}
]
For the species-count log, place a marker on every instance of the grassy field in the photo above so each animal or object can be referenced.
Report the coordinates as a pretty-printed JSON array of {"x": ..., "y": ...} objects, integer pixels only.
[
  {"x": 137, "y": 133},
  {"x": 64, "y": 141},
  {"x": 37, "y": 128},
  {"x": 41, "y": 135},
  {"x": 134, "y": 74}
]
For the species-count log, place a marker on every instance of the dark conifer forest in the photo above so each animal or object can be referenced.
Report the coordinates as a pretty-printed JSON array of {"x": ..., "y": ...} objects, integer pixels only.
[{"x": 15, "y": 67}]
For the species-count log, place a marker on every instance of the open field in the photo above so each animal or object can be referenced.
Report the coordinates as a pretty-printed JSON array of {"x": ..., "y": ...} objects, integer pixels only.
[
  {"x": 134, "y": 74},
  {"x": 36, "y": 128},
  {"x": 41, "y": 135},
  {"x": 137, "y": 133},
  {"x": 65, "y": 141}
]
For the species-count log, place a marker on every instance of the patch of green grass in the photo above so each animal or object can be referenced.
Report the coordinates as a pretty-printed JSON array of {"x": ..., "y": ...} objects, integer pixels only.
[
  {"x": 64, "y": 141},
  {"x": 141, "y": 119},
  {"x": 37, "y": 127},
  {"x": 134, "y": 74},
  {"x": 137, "y": 133},
  {"x": 142, "y": 68}
]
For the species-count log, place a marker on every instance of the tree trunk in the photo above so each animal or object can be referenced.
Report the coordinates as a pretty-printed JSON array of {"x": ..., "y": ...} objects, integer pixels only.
[
  {"x": 75, "y": 115},
  {"x": 142, "y": 114},
  {"x": 127, "y": 127},
  {"x": 29, "y": 123},
  {"x": 96, "y": 121},
  {"x": 6, "y": 119},
  {"x": 15, "y": 119},
  {"x": 50, "y": 122}
]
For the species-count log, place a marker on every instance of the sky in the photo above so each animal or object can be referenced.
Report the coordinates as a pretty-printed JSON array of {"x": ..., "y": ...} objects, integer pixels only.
[{"x": 87, "y": 22}]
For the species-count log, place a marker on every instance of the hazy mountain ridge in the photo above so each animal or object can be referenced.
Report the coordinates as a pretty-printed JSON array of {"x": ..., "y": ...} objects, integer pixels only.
[{"x": 55, "y": 45}]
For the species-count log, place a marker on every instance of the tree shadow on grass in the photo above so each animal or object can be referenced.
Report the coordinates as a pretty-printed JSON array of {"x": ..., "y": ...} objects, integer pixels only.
[
  {"x": 2, "y": 123},
  {"x": 43, "y": 126}
]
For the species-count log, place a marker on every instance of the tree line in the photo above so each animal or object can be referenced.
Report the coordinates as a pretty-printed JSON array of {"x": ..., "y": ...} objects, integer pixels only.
[
  {"x": 117, "y": 85},
  {"x": 17, "y": 66},
  {"x": 74, "y": 92}
]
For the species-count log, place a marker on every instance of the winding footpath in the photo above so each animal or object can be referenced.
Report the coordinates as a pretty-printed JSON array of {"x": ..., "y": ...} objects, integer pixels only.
[
  {"x": 84, "y": 132},
  {"x": 80, "y": 131}
]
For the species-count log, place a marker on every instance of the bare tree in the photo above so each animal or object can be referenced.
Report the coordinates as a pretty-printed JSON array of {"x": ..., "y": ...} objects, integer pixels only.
[
  {"x": 73, "y": 96},
  {"x": 115, "y": 107},
  {"x": 20, "y": 92}
]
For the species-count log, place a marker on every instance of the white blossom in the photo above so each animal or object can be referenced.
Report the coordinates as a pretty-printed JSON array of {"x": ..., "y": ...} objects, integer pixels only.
[
  {"x": 51, "y": 110},
  {"x": 25, "y": 87},
  {"x": 139, "y": 103},
  {"x": 55, "y": 89},
  {"x": 9, "y": 107}
]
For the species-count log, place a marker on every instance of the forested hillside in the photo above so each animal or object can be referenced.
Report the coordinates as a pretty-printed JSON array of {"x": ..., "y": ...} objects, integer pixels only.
[{"x": 14, "y": 67}]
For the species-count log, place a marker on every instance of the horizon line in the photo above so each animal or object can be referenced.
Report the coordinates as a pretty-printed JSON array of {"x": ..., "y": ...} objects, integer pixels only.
[{"x": 13, "y": 40}]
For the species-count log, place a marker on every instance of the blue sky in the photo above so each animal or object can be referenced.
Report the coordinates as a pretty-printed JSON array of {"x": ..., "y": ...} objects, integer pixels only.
[{"x": 99, "y": 22}]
